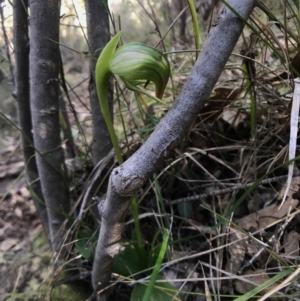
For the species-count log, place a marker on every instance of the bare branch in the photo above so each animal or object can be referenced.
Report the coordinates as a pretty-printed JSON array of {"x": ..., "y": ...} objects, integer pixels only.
[{"x": 236, "y": 187}]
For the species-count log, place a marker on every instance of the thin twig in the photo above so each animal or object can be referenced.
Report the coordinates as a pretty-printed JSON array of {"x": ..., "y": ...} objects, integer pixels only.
[{"x": 201, "y": 196}]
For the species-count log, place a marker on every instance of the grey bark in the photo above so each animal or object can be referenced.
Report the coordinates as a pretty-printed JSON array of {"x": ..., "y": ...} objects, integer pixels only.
[
  {"x": 21, "y": 51},
  {"x": 180, "y": 4},
  {"x": 66, "y": 127},
  {"x": 44, "y": 64},
  {"x": 126, "y": 179},
  {"x": 98, "y": 37}
]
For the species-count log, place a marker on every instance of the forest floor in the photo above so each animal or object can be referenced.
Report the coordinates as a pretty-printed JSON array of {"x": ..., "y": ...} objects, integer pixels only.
[
  {"x": 24, "y": 253},
  {"x": 25, "y": 256}
]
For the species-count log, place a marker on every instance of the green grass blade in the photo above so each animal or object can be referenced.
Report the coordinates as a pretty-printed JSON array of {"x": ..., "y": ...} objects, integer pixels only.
[
  {"x": 157, "y": 267},
  {"x": 264, "y": 285},
  {"x": 195, "y": 25}
]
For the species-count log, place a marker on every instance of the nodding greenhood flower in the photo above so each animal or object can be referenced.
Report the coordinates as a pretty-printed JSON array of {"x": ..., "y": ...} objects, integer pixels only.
[{"x": 134, "y": 63}]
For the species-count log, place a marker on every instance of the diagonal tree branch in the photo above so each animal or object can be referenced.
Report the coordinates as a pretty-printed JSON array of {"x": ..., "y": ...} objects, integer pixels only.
[{"x": 126, "y": 179}]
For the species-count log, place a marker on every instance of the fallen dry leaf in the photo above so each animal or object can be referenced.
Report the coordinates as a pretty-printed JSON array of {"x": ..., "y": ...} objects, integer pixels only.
[
  {"x": 268, "y": 215},
  {"x": 265, "y": 217},
  {"x": 8, "y": 243},
  {"x": 237, "y": 254},
  {"x": 18, "y": 212},
  {"x": 237, "y": 251},
  {"x": 291, "y": 243},
  {"x": 258, "y": 277}
]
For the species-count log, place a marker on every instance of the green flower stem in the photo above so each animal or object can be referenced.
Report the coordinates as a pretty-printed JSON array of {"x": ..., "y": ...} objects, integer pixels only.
[
  {"x": 110, "y": 127},
  {"x": 157, "y": 266},
  {"x": 103, "y": 75},
  {"x": 135, "y": 214}
]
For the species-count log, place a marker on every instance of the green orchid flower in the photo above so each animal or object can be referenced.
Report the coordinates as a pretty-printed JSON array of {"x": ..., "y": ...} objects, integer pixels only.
[{"x": 134, "y": 63}]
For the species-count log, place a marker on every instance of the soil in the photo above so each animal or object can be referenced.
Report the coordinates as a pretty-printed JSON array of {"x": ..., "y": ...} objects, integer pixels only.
[
  {"x": 21, "y": 269},
  {"x": 25, "y": 257}
]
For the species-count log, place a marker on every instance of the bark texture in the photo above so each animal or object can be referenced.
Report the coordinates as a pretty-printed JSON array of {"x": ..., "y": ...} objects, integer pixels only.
[
  {"x": 180, "y": 4},
  {"x": 21, "y": 51},
  {"x": 126, "y": 179},
  {"x": 44, "y": 64},
  {"x": 66, "y": 127},
  {"x": 98, "y": 37}
]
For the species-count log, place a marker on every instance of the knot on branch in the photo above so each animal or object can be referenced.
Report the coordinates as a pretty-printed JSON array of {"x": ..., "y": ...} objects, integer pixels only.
[
  {"x": 114, "y": 250},
  {"x": 126, "y": 184}
]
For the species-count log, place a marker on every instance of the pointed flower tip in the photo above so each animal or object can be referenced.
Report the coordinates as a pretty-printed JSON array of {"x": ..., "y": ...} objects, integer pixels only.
[{"x": 135, "y": 62}]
